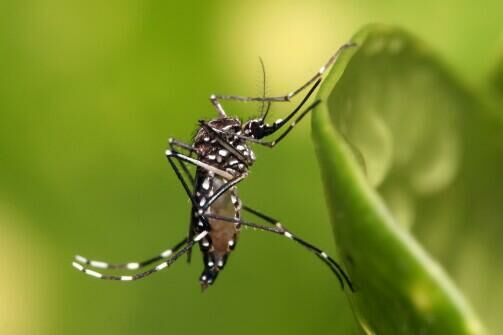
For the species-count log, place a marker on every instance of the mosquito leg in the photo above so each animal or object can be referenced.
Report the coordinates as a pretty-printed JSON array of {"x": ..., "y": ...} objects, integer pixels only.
[
  {"x": 137, "y": 265},
  {"x": 218, "y": 107},
  {"x": 150, "y": 271},
  {"x": 174, "y": 144},
  {"x": 263, "y": 216},
  {"x": 215, "y": 98},
  {"x": 180, "y": 178},
  {"x": 187, "y": 191},
  {"x": 131, "y": 265},
  {"x": 277, "y": 224},
  {"x": 179, "y": 156},
  {"x": 334, "y": 266},
  {"x": 165, "y": 254}
]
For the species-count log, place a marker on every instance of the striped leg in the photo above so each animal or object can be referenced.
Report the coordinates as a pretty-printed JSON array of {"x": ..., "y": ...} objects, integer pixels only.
[
  {"x": 263, "y": 216},
  {"x": 287, "y": 97},
  {"x": 131, "y": 265},
  {"x": 333, "y": 264},
  {"x": 280, "y": 230},
  {"x": 144, "y": 274}
]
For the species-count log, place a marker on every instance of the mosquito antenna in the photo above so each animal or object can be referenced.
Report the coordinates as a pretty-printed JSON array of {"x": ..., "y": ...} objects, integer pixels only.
[
  {"x": 266, "y": 111},
  {"x": 263, "y": 112}
]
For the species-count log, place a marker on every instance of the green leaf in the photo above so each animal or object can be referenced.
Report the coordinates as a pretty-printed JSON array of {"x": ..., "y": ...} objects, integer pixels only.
[{"x": 387, "y": 135}]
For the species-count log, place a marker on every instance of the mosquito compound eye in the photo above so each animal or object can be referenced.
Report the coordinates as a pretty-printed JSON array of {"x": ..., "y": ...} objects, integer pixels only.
[{"x": 254, "y": 129}]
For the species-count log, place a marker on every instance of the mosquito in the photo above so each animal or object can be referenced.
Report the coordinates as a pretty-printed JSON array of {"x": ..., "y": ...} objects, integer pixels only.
[{"x": 222, "y": 155}]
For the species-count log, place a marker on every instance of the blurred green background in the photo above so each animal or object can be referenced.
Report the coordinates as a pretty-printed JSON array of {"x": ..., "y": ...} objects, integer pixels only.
[{"x": 89, "y": 94}]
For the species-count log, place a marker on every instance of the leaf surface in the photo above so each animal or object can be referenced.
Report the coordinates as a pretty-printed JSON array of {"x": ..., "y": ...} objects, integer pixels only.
[{"x": 388, "y": 134}]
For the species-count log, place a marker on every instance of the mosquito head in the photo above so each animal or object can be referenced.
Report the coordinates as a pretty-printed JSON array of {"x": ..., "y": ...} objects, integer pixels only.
[{"x": 255, "y": 129}]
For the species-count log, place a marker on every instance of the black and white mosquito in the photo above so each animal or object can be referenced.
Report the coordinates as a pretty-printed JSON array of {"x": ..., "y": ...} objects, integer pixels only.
[{"x": 222, "y": 156}]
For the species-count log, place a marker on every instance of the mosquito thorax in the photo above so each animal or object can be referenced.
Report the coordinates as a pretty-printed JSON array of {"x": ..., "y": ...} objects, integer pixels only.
[
  {"x": 221, "y": 142},
  {"x": 227, "y": 128}
]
